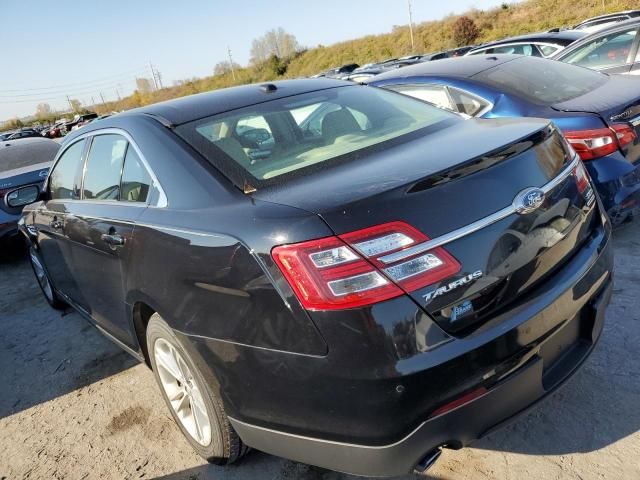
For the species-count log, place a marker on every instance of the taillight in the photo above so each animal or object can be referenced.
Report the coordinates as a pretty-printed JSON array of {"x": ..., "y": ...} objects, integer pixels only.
[
  {"x": 346, "y": 271},
  {"x": 624, "y": 133},
  {"x": 582, "y": 179},
  {"x": 596, "y": 143}
]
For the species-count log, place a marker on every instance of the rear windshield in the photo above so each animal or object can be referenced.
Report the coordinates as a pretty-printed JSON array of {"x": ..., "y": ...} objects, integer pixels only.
[
  {"x": 272, "y": 141},
  {"x": 543, "y": 82}
]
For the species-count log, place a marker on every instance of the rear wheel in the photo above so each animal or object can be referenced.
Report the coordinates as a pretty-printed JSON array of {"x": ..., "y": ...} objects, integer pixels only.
[
  {"x": 50, "y": 294},
  {"x": 196, "y": 409}
]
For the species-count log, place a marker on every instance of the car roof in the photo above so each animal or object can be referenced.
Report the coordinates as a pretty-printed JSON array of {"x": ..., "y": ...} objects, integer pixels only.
[
  {"x": 609, "y": 15},
  {"x": 562, "y": 35},
  {"x": 25, "y": 152},
  {"x": 463, "y": 67},
  {"x": 194, "y": 107}
]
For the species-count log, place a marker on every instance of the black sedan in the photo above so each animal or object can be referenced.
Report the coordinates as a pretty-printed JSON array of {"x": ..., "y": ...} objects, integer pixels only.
[{"x": 355, "y": 294}]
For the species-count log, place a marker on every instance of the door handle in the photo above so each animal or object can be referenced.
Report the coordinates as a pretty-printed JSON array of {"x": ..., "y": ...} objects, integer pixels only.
[{"x": 112, "y": 239}]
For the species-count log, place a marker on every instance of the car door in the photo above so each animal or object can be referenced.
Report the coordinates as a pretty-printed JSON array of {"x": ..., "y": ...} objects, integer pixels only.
[
  {"x": 612, "y": 52},
  {"x": 62, "y": 190},
  {"x": 100, "y": 228}
]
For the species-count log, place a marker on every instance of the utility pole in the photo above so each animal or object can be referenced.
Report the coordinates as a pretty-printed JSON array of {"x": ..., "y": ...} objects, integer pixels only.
[
  {"x": 102, "y": 98},
  {"x": 153, "y": 75},
  {"x": 233, "y": 71},
  {"x": 93, "y": 102},
  {"x": 159, "y": 75},
  {"x": 118, "y": 93},
  {"x": 71, "y": 104},
  {"x": 413, "y": 46}
]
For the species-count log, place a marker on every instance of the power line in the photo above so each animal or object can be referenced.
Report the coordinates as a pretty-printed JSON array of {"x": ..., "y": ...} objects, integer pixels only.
[{"x": 110, "y": 78}]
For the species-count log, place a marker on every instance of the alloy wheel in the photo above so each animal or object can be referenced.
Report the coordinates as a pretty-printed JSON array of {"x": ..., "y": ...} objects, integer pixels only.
[{"x": 183, "y": 392}]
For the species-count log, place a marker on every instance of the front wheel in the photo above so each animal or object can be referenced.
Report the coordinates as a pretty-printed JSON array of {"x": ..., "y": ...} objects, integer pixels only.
[
  {"x": 50, "y": 294},
  {"x": 196, "y": 409}
]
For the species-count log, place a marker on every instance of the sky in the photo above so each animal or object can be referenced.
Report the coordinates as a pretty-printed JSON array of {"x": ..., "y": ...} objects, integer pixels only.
[{"x": 86, "y": 48}]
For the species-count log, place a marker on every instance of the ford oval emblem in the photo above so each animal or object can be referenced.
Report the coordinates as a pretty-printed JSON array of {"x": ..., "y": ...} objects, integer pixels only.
[
  {"x": 43, "y": 173},
  {"x": 528, "y": 200}
]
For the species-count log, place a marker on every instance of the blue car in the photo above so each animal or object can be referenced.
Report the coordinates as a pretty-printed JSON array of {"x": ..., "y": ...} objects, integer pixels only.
[
  {"x": 22, "y": 162},
  {"x": 598, "y": 114}
]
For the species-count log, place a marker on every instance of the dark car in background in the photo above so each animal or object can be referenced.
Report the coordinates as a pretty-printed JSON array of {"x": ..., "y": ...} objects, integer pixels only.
[
  {"x": 595, "y": 24},
  {"x": 78, "y": 119},
  {"x": 543, "y": 44},
  {"x": 615, "y": 49},
  {"x": 54, "y": 131},
  {"x": 599, "y": 114},
  {"x": 338, "y": 72},
  {"x": 24, "y": 133},
  {"x": 22, "y": 162},
  {"x": 362, "y": 294}
]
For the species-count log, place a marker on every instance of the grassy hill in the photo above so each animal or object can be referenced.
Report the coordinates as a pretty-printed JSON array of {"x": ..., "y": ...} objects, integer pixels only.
[{"x": 505, "y": 20}]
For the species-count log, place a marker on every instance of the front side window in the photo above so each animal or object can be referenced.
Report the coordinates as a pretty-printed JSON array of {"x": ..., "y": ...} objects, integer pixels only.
[
  {"x": 307, "y": 132},
  {"x": 65, "y": 177},
  {"x": 603, "y": 52},
  {"x": 136, "y": 181},
  {"x": 104, "y": 167},
  {"x": 521, "y": 49}
]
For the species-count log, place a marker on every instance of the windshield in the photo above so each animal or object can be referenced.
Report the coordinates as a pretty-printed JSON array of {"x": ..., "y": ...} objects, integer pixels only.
[
  {"x": 271, "y": 141},
  {"x": 543, "y": 82}
]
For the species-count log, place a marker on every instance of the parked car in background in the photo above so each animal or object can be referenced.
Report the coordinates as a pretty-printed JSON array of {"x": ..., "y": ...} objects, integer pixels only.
[
  {"x": 611, "y": 50},
  {"x": 543, "y": 44},
  {"x": 595, "y": 24},
  {"x": 5, "y": 135},
  {"x": 599, "y": 114},
  {"x": 77, "y": 119},
  {"x": 24, "y": 133},
  {"x": 338, "y": 72},
  {"x": 54, "y": 131},
  {"x": 397, "y": 280},
  {"x": 364, "y": 73},
  {"x": 22, "y": 162}
]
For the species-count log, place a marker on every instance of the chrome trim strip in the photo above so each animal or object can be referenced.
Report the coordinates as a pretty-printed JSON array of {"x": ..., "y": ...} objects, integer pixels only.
[
  {"x": 475, "y": 226},
  {"x": 162, "y": 197},
  {"x": 329, "y": 442}
]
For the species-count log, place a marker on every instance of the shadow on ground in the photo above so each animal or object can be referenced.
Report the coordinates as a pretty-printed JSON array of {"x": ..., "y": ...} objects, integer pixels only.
[{"x": 45, "y": 353}]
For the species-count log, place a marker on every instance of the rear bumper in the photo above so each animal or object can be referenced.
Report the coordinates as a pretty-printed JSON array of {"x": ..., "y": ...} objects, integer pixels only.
[
  {"x": 540, "y": 345},
  {"x": 514, "y": 395}
]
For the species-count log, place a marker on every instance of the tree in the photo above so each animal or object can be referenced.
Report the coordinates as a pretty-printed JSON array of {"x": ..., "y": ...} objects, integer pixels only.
[
  {"x": 275, "y": 42},
  {"x": 145, "y": 85},
  {"x": 43, "y": 111},
  {"x": 465, "y": 31},
  {"x": 75, "y": 104},
  {"x": 224, "y": 67}
]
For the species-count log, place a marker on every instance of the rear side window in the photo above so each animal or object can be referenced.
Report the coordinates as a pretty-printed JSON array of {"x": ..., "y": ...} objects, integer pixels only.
[
  {"x": 436, "y": 94},
  {"x": 104, "y": 167},
  {"x": 265, "y": 143},
  {"x": 541, "y": 81},
  {"x": 136, "y": 181},
  {"x": 468, "y": 103},
  {"x": 605, "y": 51},
  {"x": 548, "y": 50},
  {"x": 65, "y": 177}
]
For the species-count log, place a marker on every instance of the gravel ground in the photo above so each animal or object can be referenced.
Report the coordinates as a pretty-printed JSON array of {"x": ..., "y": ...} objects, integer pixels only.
[{"x": 75, "y": 406}]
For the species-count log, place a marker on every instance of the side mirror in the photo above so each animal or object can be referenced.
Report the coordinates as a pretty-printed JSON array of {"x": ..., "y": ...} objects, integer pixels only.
[{"x": 22, "y": 196}]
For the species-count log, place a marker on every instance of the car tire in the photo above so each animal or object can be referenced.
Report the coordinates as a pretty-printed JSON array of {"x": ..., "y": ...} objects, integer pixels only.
[
  {"x": 44, "y": 282},
  {"x": 179, "y": 378}
]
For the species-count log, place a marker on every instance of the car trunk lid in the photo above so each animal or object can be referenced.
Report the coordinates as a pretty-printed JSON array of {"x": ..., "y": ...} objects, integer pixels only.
[
  {"x": 463, "y": 194},
  {"x": 617, "y": 101}
]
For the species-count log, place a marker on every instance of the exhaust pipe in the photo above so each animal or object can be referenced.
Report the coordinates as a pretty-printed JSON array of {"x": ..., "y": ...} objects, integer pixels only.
[{"x": 427, "y": 462}]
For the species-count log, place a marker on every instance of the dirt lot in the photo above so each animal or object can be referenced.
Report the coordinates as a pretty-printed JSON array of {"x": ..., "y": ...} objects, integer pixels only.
[{"x": 75, "y": 407}]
